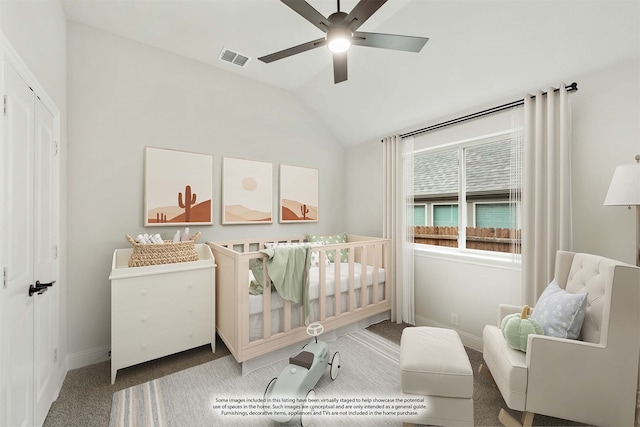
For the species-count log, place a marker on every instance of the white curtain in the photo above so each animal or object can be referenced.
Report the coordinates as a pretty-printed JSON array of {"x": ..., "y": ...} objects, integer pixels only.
[
  {"x": 546, "y": 192},
  {"x": 398, "y": 224}
]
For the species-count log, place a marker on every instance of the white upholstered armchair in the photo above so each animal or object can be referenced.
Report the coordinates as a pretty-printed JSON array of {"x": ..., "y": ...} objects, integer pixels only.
[{"x": 592, "y": 379}]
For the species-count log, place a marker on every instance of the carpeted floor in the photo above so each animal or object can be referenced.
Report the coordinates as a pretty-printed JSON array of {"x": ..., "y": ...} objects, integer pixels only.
[{"x": 86, "y": 395}]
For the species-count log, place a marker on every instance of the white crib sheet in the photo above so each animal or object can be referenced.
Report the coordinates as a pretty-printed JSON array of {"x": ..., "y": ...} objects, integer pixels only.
[{"x": 255, "y": 301}]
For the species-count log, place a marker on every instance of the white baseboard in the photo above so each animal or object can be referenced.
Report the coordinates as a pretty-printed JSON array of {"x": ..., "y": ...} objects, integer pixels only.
[
  {"x": 88, "y": 357},
  {"x": 468, "y": 340}
]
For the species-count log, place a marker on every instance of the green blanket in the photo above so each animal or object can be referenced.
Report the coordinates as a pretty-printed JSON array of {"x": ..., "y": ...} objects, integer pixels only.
[{"x": 288, "y": 268}]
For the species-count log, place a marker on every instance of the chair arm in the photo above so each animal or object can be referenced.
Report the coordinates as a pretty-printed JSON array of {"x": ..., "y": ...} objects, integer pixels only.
[
  {"x": 579, "y": 373},
  {"x": 541, "y": 348},
  {"x": 506, "y": 309}
]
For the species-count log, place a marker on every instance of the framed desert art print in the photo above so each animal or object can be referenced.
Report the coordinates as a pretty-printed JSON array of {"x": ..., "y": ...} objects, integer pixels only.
[
  {"x": 299, "y": 188},
  {"x": 247, "y": 191},
  {"x": 178, "y": 188}
]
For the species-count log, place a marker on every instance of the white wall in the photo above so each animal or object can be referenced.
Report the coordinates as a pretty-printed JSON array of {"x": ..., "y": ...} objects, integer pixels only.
[
  {"x": 606, "y": 126},
  {"x": 124, "y": 96},
  {"x": 606, "y": 133}
]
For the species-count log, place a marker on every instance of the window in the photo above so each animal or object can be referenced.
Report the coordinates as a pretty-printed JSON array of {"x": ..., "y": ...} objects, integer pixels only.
[
  {"x": 445, "y": 215},
  {"x": 419, "y": 214},
  {"x": 496, "y": 215},
  {"x": 470, "y": 194}
]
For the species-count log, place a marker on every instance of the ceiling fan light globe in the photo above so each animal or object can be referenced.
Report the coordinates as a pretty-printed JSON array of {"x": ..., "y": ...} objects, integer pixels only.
[
  {"x": 339, "y": 40},
  {"x": 339, "y": 45}
]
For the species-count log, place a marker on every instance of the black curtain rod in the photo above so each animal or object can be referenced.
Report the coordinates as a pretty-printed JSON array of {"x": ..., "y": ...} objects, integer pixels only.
[{"x": 571, "y": 88}]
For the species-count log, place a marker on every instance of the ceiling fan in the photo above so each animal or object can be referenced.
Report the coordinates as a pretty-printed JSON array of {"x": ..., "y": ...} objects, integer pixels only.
[{"x": 340, "y": 29}]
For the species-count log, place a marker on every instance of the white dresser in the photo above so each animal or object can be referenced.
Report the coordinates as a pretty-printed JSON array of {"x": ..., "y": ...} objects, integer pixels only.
[{"x": 162, "y": 309}]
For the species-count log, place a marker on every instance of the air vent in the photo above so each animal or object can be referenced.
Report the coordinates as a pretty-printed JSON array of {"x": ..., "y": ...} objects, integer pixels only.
[{"x": 233, "y": 57}]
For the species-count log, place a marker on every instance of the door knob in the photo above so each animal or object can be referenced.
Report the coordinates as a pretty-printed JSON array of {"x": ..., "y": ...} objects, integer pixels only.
[
  {"x": 44, "y": 285},
  {"x": 37, "y": 290},
  {"x": 40, "y": 288}
]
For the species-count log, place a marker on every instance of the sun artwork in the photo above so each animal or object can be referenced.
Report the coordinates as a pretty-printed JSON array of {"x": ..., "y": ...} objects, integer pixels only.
[{"x": 249, "y": 183}]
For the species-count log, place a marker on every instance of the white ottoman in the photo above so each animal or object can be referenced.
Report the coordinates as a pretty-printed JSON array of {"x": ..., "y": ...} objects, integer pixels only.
[{"x": 434, "y": 365}]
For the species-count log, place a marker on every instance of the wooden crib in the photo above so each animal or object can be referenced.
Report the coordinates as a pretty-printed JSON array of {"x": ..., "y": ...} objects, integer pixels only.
[{"x": 364, "y": 290}]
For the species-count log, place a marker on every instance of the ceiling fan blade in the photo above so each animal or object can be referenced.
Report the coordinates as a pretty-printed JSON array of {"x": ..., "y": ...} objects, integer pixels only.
[
  {"x": 339, "y": 67},
  {"x": 361, "y": 12},
  {"x": 389, "y": 41},
  {"x": 294, "y": 50},
  {"x": 307, "y": 11}
]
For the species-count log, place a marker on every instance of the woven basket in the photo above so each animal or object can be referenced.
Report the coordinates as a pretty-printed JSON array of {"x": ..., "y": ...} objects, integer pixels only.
[{"x": 163, "y": 253}]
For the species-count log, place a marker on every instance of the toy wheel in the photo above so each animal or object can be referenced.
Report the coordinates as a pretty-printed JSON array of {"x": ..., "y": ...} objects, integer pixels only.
[
  {"x": 335, "y": 365},
  {"x": 267, "y": 393},
  {"x": 307, "y": 405},
  {"x": 314, "y": 329}
]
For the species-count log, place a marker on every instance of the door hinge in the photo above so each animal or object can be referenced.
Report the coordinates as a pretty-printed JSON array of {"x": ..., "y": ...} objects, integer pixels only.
[
  {"x": 55, "y": 355},
  {"x": 5, "y": 107},
  {"x": 4, "y": 277},
  {"x": 55, "y": 251},
  {"x": 56, "y": 148}
]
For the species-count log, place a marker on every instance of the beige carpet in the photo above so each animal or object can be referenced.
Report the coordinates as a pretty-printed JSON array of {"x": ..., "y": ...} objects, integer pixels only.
[{"x": 86, "y": 395}]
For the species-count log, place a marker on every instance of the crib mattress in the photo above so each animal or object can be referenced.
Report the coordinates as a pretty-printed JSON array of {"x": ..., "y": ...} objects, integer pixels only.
[{"x": 255, "y": 301}]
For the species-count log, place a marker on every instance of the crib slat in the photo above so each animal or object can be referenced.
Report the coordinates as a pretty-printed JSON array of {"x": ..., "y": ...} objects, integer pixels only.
[
  {"x": 322, "y": 287},
  {"x": 337, "y": 287},
  {"x": 266, "y": 303},
  {"x": 363, "y": 276},
  {"x": 351, "y": 292},
  {"x": 374, "y": 277},
  {"x": 286, "y": 315}
]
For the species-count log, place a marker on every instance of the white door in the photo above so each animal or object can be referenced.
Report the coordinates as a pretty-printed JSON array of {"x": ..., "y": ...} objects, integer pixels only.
[
  {"x": 45, "y": 254},
  {"x": 29, "y": 318}
]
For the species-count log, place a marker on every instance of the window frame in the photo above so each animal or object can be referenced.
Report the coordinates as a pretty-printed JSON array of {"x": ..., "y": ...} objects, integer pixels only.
[
  {"x": 496, "y": 259},
  {"x": 426, "y": 217}
]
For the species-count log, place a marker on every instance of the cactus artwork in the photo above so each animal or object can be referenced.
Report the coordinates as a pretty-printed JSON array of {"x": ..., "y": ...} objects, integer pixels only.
[
  {"x": 299, "y": 194},
  {"x": 178, "y": 187},
  {"x": 189, "y": 200}
]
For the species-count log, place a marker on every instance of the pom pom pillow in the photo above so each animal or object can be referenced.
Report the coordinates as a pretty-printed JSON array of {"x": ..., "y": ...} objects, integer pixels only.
[
  {"x": 517, "y": 327},
  {"x": 331, "y": 240},
  {"x": 559, "y": 312}
]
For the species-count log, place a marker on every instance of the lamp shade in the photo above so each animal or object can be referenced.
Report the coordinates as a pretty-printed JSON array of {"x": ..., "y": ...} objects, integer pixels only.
[{"x": 624, "y": 189}]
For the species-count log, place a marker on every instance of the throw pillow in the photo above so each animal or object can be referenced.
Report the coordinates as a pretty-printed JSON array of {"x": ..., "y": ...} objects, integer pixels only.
[
  {"x": 332, "y": 240},
  {"x": 559, "y": 312}
]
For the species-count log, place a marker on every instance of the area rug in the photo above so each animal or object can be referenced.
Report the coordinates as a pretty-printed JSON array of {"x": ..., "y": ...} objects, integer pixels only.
[{"x": 365, "y": 392}]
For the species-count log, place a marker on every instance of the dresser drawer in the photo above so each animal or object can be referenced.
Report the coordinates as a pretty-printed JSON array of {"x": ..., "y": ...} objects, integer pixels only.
[
  {"x": 151, "y": 344},
  {"x": 163, "y": 316},
  {"x": 155, "y": 290}
]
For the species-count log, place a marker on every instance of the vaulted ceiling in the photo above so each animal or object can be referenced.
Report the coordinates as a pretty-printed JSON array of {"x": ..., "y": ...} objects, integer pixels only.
[{"x": 478, "y": 50}]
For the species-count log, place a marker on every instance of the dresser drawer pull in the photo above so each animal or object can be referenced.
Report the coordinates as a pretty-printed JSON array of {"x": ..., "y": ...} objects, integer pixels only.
[
  {"x": 143, "y": 346},
  {"x": 143, "y": 319}
]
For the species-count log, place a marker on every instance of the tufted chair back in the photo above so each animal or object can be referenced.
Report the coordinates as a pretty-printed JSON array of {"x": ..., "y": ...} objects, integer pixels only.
[{"x": 580, "y": 273}]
